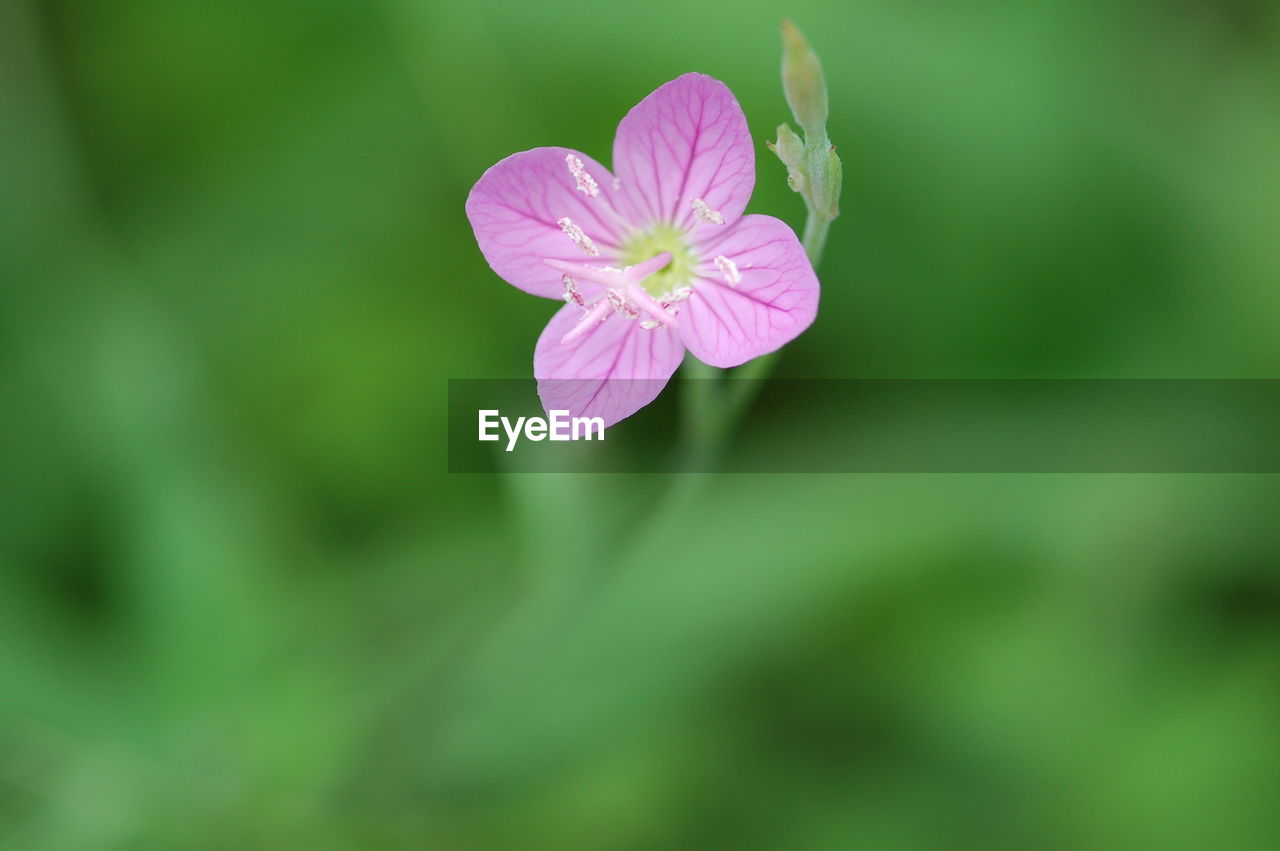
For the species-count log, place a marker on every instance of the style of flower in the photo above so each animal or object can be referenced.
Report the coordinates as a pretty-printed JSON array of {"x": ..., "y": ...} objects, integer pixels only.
[{"x": 652, "y": 260}]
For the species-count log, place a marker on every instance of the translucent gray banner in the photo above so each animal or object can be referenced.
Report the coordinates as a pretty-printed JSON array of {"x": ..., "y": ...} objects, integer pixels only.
[{"x": 890, "y": 426}]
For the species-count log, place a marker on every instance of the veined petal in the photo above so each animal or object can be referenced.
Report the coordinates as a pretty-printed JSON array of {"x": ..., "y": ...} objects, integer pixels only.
[
  {"x": 755, "y": 292},
  {"x": 534, "y": 206},
  {"x": 611, "y": 371},
  {"x": 684, "y": 155}
]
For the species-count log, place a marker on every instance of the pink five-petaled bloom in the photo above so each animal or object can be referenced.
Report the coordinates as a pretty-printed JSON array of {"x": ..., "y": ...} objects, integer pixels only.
[{"x": 652, "y": 260}]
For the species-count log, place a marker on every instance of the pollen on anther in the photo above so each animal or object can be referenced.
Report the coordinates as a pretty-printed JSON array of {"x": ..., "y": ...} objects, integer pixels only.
[
  {"x": 678, "y": 294},
  {"x": 620, "y": 304},
  {"x": 571, "y": 294},
  {"x": 579, "y": 238},
  {"x": 702, "y": 211},
  {"x": 586, "y": 183},
  {"x": 729, "y": 269}
]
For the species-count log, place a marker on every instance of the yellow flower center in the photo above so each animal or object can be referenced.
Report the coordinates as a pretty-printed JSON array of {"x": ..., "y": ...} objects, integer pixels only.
[{"x": 678, "y": 273}]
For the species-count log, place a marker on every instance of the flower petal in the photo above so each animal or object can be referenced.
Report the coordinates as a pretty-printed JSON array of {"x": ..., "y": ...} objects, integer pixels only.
[
  {"x": 516, "y": 208},
  {"x": 612, "y": 371},
  {"x": 687, "y": 140},
  {"x": 775, "y": 296}
]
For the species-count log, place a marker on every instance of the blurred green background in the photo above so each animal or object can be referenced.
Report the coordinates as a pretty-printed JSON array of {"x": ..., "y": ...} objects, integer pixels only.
[{"x": 242, "y": 604}]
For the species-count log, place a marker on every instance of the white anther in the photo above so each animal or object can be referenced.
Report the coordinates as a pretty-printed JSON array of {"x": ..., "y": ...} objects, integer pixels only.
[
  {"x": 579, "y": 238},
  {"x": 729, "y": 269},
  {"x": 702, "y": 211},
  {"x": 650, "y": 324},
  {"x": 678, "y": 294},
  {"x": 571, "y": 294},
  {"x": 586, "y": 183},
  {"x": 620, "y": 304}
]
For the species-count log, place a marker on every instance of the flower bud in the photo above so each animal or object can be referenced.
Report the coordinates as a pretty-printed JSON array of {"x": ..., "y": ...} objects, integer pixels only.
[{"x": 802, "y": 81}]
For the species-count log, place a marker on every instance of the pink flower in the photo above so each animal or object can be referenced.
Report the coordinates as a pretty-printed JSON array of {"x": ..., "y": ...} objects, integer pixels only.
[{"x": 651, "y": 262}]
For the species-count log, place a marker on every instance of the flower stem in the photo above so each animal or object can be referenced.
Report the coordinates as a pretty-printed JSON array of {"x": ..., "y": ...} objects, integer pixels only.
[{"x": 815, "y": 236}]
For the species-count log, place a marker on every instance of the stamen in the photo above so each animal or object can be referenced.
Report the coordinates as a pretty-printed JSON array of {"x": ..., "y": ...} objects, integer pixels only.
[
  {"x": 586, "y": 183},
  {"x": 702, "y": 211},
  {"x": 620, "y": 303},
  {"x": 571, "y": 294},
  {"x": 650, "y": 324},
  {"x": 729, "y": 269},
  {"x": 597, "y": 314},
  {"x": 678, "y": 294},
  {"x": 579, "y": 238}
]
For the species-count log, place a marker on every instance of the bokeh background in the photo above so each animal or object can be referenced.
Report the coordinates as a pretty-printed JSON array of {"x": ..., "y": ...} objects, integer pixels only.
[{"x": 242, "y": 604}]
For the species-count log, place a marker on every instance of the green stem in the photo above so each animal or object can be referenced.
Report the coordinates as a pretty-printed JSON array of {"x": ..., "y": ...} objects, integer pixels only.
[{"x": 815, "y": 236}]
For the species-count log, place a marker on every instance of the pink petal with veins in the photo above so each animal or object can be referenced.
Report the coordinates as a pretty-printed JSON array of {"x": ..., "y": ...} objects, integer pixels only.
[
  {"x": 611, "y": 371},
  {"x": 775, "y": 297},
  {"x": 686, "y": 141},
  {"x": 516, "y": 210}
]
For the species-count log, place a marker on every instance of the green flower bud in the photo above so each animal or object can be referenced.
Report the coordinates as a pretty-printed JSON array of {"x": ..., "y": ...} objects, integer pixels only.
[
  {"x": 802, "y": 81},
  {"x": 813, "y": 169}
]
